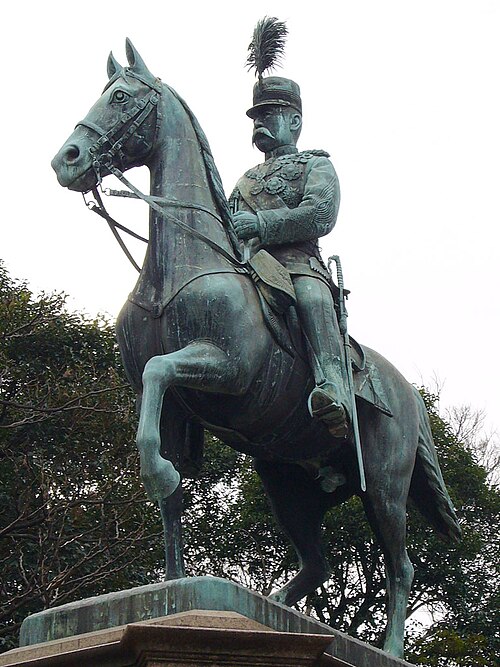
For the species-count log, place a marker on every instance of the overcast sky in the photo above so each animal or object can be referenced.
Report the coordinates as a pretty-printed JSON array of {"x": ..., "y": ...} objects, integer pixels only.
[{"x": 403, "y": 94}]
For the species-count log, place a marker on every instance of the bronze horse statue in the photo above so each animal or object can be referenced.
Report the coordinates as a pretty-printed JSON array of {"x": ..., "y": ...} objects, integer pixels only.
[{"x": 200, "y": 353}]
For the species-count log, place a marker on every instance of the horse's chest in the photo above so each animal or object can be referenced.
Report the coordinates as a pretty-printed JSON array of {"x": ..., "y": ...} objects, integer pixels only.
[{"x": 165, "y": 276}]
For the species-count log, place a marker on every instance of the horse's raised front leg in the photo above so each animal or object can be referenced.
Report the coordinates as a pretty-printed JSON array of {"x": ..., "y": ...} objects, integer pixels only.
[{"x": 200, "y": 365}]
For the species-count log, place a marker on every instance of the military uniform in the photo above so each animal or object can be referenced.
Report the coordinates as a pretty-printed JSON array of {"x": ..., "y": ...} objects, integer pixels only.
[
  {"x": 293, "y": 199},
  {"x": 296, "y": 198}
]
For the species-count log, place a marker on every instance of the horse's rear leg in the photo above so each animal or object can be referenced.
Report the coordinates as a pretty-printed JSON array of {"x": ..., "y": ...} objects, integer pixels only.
[
  {"x": 388, "y": 520},
  {"x": 299, "y": 506},
  {"x": 199, "y": 365}
]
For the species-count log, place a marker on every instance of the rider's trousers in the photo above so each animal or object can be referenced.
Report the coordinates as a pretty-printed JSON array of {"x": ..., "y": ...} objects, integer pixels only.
[{"x": 319, "y": 322}]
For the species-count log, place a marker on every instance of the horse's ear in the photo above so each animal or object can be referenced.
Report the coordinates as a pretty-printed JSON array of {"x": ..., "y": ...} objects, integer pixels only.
[
  {"x": 135, "y": 61},
  {"x": 113, "y": 65}
]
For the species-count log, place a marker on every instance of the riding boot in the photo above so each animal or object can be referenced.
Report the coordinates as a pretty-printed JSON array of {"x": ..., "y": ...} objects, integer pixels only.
[{"x": 329, "y": 400}]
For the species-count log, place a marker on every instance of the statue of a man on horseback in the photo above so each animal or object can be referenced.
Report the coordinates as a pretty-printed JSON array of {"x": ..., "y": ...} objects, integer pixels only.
[
  {"x": 200, "y": 348},
  {"x": 284, "y": 205}
]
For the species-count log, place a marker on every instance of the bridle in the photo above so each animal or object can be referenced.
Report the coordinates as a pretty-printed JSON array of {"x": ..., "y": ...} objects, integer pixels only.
[
  {"x": 110, "y": 145},
  {"x": 125, "y": 127}
]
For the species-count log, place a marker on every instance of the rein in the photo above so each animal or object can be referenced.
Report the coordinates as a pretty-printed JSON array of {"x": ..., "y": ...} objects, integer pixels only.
[
  {"x": 99, "y": 208},
  {"x": 116, "y": 138}
]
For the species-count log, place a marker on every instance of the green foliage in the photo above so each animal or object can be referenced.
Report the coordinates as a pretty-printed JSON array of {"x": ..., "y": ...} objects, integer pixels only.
[
  {"x": 458, "y": 583},
  {"x": 444, "y": 647},
  {"x": 74, "y": 521}
]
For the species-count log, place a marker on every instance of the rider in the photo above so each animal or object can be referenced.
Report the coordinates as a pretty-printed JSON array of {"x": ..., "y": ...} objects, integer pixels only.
[{"x": 284, "y": 205}]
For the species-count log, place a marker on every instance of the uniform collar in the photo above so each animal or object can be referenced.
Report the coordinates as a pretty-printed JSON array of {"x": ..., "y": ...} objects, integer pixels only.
[{"x": 288, "y": 149}]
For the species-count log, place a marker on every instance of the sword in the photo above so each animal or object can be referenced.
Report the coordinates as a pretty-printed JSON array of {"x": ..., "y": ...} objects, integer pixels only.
[{"x": 347, "y": 350}]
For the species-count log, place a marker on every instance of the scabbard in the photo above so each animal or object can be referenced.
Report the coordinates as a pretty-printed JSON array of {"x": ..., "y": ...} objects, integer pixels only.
[{"x": 354, "y": 412}]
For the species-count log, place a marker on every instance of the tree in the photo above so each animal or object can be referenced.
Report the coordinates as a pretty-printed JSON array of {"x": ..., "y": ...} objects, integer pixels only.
[
  {"x": 74, "y": 520},
  {"x": 462, "y": 583},
  {"x": 467, "y": 425}
]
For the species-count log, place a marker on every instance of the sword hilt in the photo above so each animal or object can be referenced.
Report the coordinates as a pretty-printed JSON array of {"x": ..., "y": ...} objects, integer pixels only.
[{"x": 340, "y": 284}]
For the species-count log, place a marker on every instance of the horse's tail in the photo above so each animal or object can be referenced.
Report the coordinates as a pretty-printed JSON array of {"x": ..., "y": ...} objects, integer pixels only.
[{"x": 428, "y": 490}]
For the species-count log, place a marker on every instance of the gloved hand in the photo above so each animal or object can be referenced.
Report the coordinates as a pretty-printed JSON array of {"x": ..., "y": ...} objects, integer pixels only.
[{"x": 246, "y": 225}]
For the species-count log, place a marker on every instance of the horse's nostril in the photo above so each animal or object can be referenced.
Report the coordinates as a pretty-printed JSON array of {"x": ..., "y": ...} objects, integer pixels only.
[{"x": 72, "y": 153}]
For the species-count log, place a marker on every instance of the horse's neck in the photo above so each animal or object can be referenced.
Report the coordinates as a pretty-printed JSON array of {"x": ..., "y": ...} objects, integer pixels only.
[{"x": 178, "y": 173}]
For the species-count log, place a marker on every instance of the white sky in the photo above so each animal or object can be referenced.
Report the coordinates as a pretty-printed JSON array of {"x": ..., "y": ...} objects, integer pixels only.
[{"x": 403, "y": 94}]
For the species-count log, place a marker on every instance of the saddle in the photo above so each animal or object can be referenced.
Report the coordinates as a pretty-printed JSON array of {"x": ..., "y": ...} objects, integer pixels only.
[
  {"x": 367, "y": 383},
  {"x": 272, "y": 281},
  {"x": 276, "y": 294},
  {"x": 277, "y": 297}
]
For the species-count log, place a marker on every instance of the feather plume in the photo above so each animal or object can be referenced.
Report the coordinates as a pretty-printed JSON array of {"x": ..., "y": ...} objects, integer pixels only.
[{"x": 267, "y": 46}]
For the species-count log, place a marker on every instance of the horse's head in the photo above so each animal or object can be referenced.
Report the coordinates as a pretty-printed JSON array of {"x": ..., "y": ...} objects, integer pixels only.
[{"x": 119, "y": 129}]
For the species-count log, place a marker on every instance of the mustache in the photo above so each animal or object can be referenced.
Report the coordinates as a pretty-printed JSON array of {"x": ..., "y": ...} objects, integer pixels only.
[{"x": 262, "y": 131}]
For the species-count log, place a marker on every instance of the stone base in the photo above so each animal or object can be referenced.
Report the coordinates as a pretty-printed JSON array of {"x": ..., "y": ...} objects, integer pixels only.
[
  {"x": 190, "y": 639},
  {"x": 137, "y": 614}
]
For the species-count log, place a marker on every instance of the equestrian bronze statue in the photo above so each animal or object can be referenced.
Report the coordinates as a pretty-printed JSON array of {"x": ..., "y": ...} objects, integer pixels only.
[{"x": 211, "y": 337}]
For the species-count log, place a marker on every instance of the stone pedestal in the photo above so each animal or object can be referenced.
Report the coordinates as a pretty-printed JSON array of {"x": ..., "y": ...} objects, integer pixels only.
[
  {"x": 191, "y": 639},
  {"x": 196, "y": 621}
]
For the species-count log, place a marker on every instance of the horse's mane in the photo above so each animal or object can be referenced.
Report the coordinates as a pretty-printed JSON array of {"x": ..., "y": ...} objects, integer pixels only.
[{"x": 214, "y": 179}]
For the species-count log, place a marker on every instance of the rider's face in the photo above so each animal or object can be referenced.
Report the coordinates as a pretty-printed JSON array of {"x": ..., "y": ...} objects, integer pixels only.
[{"x": 272, "y": 128}]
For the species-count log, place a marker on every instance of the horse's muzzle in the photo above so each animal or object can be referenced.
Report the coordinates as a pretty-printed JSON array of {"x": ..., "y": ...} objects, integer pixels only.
[{"x": 73, "y": 166}]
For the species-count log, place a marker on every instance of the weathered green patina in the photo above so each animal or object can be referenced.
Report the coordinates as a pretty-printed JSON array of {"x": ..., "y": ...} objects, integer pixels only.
[
  {"x": 203, "y": 350},
  {"x": 155, "y": 601}
]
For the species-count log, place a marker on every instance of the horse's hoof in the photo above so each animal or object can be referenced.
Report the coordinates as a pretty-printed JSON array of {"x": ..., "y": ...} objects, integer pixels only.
[
  {"x": 278, "y": 596},
  {"x": 307, "y": 580},
  {"x": 160, "y": 479},
  {"x": 394, "y": 647}
]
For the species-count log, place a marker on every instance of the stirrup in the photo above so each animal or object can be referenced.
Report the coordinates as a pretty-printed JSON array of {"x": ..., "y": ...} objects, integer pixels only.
[{"x": 325, "y": 383}]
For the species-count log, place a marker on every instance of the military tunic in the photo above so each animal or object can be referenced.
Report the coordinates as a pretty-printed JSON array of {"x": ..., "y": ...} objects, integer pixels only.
[{"x": 296, "y": 199}]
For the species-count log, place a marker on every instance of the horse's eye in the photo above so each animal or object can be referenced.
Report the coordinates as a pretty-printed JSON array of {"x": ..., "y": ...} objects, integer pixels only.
[{"x": 120, "y": 96}]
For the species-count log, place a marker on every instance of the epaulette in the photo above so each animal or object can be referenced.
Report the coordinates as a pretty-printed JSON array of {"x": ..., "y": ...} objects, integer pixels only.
[{"x": 316, "y": 152}]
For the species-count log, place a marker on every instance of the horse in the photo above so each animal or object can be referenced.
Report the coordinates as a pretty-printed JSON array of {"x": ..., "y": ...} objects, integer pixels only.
[{"x": 200, "y": 354}]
